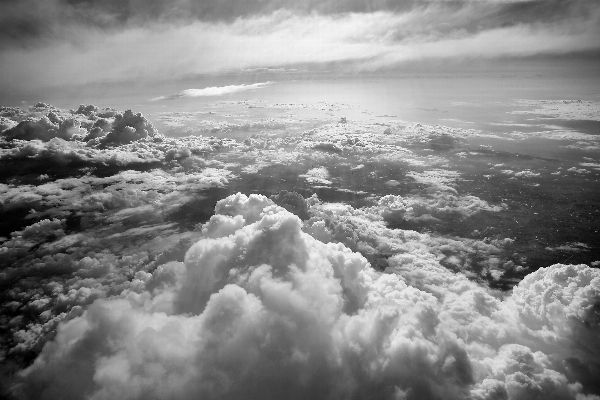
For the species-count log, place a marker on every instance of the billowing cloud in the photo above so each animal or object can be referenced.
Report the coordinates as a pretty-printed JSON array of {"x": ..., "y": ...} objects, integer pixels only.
[
  {"x": 262, "y": 309},
  {"x": 213, "y": 91}
]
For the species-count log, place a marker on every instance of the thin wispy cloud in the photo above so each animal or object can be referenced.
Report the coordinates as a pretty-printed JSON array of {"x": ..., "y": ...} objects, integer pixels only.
[{"x": 213, "y": 91}]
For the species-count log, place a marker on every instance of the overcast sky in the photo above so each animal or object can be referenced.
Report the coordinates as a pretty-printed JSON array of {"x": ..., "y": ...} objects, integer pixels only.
[{"x": 58, "y": 42}]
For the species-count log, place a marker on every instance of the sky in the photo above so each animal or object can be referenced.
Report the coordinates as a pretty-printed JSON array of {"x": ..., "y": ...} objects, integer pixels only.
[{"x": 61, "y": 42}]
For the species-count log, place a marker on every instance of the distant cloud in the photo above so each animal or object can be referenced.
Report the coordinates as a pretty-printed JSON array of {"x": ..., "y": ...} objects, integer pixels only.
[{"x": 212, "y": 91}]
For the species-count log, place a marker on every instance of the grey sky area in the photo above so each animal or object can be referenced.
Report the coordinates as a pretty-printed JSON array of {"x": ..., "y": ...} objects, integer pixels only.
[{"x": 53, "y": 43}]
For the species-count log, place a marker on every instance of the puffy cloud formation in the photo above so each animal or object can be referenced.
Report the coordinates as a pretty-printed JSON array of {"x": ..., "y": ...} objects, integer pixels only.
[
  {"x": 6, "y": 123},
  {"x": 213, "y": 91},
  {"x": 45, "y": 129},
  {"x": 318, "y": 176},
  {"x": 385, "y": 231},
  {"x": 259, "y": 308},
  {"x": 129, "y": 127},
  {"x": 438, "y": 205},
  {"x": 293, "y": 202},
  {"x": 45, "y": 139},
  {"x": 85, "y": 123},
  {"x": 81, "y": 215},
  {"x": 389, "y": 142},
  {"x": 91, "y": 237}
]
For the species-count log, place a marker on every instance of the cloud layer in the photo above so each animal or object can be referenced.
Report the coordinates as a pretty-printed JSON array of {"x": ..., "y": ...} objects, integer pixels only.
[
  {"x": 122, "y": 278},
  {"x": 120, "y": 41}
]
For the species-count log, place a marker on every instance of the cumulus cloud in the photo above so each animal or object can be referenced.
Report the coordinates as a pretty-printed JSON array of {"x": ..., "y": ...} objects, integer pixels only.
[
  {"x": 60, "y": 143},
  {"x": 390, "y": 228},
  {"x": 437, "y": 205},
  {"x": 213, "y": 91},
  {"x": 92, "y": 236},
  {"x": 317, "y": 175},
  {"x": 45, "y": 122},
  {"x": 82, "y": 215},
  {"x": 129, "y": 127},
  {"x": 260, "y": 308},
  {"x": 45, "y": 128}
]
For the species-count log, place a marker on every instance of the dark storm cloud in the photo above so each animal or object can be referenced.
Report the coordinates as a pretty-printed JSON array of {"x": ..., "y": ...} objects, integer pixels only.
[{"x": 25, "y": 22}]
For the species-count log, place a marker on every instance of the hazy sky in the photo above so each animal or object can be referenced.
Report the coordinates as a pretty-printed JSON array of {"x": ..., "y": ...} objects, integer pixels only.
[{"x": 58, "y": 42}]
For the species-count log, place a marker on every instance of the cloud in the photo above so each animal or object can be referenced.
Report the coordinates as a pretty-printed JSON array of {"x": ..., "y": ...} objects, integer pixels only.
[
  {"x": 129, "y": 127},
  {"x": 390, "y": 229},
  {"x": 262, "y": 309},
  {"x": 562, "y": 109},
  {"x": 79, "y": 215},
  {"x": 60, "y": 143},
  {"x": 317, "y": 176},
  {"x": 85, "y": 123},
  {"x": 22, "y": 21},
  {"x": 277, "y": 34},
  {"x": 45, "y": 129},
  {"x": 91, "y": 234},
  {"x": 116, "y": 290},
  {"x": 213, "y": 91}
]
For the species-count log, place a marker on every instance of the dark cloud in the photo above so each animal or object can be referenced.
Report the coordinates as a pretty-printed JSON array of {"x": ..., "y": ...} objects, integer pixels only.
[
  {"x": 468, "y": 18},
  {"x": 28, "y": 22},
  {"x": 120, "y": 41}
]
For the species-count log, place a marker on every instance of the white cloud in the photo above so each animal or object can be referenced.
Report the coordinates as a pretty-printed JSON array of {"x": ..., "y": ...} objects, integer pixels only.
[
  {"x": 318, "y": 175},
  {"x": 262, "y": 309},
  {"x": 213, "y": 91},
  {"x": 256, "y": 302}
]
